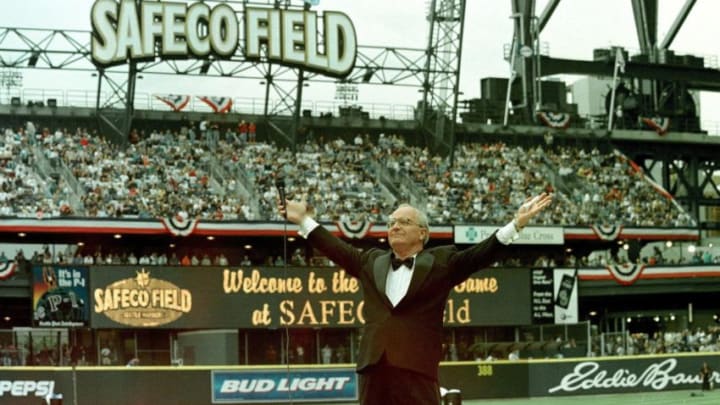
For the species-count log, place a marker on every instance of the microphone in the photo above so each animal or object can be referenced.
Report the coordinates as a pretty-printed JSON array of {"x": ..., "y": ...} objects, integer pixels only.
[{"x": 280, "y": 185}]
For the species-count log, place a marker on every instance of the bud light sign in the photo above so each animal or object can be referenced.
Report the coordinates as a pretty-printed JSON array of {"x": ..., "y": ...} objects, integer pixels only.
[{"x": 280, "y": 385}]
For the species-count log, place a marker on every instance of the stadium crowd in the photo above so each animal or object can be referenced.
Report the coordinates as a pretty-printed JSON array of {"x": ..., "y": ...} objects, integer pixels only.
[
  {"x": 74, "y": 255},
  {"x": 627, "y": 344},
  {"x": 696, "y": 340},
  {"x": 213, "y": 175},
  {"x": 227, "y": 177}
]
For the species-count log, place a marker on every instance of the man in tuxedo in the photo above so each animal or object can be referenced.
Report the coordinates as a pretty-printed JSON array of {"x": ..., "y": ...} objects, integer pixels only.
[{"x": 405, "y": 291}]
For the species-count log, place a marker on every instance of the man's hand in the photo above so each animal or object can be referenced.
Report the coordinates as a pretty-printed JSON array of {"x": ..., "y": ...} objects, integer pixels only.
[
  {"x": 295, "y": 211},
  {"x": 531, "y": 207}
]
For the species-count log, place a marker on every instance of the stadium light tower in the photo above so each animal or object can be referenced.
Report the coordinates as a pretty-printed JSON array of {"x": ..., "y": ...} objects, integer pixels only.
[
  {"x": 9, "y": 79},
  {"x": 115, "y": 111},
  {"x": 524, "y": 57},
  {"x": 438, "y": 108}
]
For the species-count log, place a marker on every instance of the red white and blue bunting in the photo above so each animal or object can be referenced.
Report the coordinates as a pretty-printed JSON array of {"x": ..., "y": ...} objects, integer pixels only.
[
  {"x": 175, "y": 101},
  {"x": 179, "y": 225},
  {"x": 183, "y": 226},
  {"x": 627, "y": 274},
  {"x": 554, "y": 120},
  {"x": 219, "y": 105},
  {"x": 354, "y": 230},
  {"x": 607, "y": 232},
  {"x": 7, "y": 269}
]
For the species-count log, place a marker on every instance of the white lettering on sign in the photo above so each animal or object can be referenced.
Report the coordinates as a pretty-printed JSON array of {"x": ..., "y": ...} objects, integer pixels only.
[
  {"x": 125, "y": 31},
  {"x": 23, "y": 388},
  {"x": 264, "y": 385},
  {"x": 658, "y": 376},
  {"x": 531, "y": 235},
  {"x": 290, "y": 37}
]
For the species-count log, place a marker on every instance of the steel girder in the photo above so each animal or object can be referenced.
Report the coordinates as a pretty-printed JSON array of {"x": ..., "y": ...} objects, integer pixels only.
[
  {"x": 438, "y": 108},
  {"x": 69, "y": 50}
]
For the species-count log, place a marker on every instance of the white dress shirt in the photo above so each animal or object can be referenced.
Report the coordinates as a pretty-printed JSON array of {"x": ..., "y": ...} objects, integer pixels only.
[{"x": 398, "y": 282}]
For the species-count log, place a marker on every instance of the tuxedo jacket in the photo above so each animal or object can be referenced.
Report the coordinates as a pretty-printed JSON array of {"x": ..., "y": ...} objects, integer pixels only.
[{"x": 409, "y": 335}]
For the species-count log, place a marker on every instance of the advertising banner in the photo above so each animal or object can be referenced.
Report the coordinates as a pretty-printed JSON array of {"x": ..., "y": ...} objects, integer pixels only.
[
  {"x": 531, "y": 235},
  {"x": 626, "y": 374},
  {"x": 321, "y": 384},
  {"x": 31, "y": 386},
  {"x": 554, "y": 296},
  {"x": 216, "y": 297},
  {"x": 60, "y": 296},
  {"x": 277, "y": 386},
  {"x": 566, "y": 296}
]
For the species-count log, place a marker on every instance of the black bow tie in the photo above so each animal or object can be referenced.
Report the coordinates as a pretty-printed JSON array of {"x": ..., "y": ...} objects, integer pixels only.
[{"x": 396, "y": 263}]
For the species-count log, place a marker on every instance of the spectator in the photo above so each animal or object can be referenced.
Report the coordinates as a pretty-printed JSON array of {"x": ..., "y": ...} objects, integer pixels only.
[
  {"x": 185, "y": 261},
  {"x": 205, "y": 261}
]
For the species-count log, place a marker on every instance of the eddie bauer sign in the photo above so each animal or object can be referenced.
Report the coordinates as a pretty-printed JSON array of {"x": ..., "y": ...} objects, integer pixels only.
[
  {"x": 591, "y": 376},
  {"x": 624, "y": 374},
  {"x": 125, "y": 31},
  {"x": 216, "y": 297}
]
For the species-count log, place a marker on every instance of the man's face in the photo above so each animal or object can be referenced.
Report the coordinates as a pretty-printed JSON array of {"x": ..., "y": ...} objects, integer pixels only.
[{"x": 403, "y": 229}]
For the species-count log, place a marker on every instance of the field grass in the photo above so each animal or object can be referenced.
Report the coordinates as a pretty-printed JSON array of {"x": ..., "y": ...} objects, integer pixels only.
[
  {"x": 694, "y": 397},
  {"x": 691, "y": 397}
]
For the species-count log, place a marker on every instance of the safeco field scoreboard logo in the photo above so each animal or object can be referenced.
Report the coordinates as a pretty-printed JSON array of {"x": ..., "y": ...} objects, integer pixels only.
[
  {"x": 275, "y": 386},
  {"x": 142, "y": 301}
]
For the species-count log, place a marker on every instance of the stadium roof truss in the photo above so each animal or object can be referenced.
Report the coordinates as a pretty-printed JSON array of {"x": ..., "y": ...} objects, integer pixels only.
[
  {"x": 437, "y": 76},
  {"x": 530, "y": 64}
]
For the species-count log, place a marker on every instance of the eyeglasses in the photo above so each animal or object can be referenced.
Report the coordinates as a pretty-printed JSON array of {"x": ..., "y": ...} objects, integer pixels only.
[{"x": 401, "y": 221}]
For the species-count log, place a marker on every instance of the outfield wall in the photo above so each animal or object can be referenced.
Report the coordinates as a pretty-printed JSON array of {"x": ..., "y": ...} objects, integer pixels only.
[{"x": 196, "y": 385}]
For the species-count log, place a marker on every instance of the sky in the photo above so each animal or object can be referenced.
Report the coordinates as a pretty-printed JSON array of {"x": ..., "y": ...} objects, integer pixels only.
[{"x": 576, "y": 28}]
